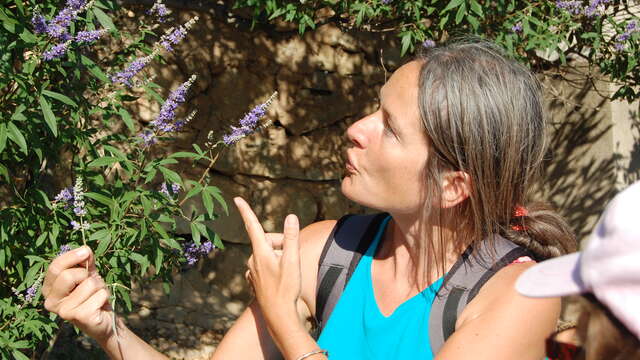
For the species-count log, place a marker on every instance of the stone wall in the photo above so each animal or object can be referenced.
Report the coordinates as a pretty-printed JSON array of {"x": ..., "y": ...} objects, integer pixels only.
[{"x": 326, "y": 80}]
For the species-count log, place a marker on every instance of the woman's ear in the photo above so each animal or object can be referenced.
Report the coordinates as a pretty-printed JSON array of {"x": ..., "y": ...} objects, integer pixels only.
[{"x": 456, "y": 188}]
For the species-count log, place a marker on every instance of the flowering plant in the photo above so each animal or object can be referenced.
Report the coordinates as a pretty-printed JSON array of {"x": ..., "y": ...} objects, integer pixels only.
[
  {"x": 76, "y": 169},
  {"x": 546, "y": 34}
]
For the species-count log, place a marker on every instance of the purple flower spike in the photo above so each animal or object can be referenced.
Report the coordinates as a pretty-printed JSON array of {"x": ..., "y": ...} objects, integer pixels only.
[
  {"x": 31, "y": 293},
  {"x": 63, "y": 249},
  {"x": 89, "y": 36},
  {"x": 163, "y": 122},
  {"x": 428, "y": 43},
  {"x": 517, "y": 28},
  {"x": 192, "y": 252},
  {"x": 124, "y": 77},
  {"x": 174, "y": 36},
  {"x": 56, "y": 52},
  {"x": 39, "y": 23},
  {"x": 165, "y": 191},
  {"x": 249, "y": 123},
  {"x": 159, "y": 10}
]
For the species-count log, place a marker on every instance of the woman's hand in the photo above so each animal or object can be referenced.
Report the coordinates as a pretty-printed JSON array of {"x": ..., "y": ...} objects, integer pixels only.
[
  {"x": 275, "y": 276},
  {"x": 74, "y": 290}
]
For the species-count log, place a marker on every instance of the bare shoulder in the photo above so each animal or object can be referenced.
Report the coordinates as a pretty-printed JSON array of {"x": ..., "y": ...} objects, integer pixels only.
[
  {"x": 313, "y": 237},
  {"x": 500, "y": 293},
  {"x": 491, "y": 325}
]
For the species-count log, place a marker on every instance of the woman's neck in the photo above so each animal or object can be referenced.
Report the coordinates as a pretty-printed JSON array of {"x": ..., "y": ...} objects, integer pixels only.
[{"x": 410, "y": 245}]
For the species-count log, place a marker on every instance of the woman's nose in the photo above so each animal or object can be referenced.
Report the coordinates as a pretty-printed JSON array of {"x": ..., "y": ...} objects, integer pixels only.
[{"x": 357, "y": 134}]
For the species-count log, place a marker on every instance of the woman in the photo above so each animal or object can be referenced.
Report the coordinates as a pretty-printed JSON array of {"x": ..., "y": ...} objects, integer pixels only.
[
  {"x": 607, "y": 275},
  {"x": 449, "y": 155}
]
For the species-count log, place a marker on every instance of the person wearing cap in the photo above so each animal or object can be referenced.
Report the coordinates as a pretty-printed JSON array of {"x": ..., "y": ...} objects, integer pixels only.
[{"x": 607, "y": 276}]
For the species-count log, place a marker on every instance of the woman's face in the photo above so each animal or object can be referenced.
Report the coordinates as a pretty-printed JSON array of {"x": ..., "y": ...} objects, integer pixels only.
[{"x": 389, "y": 149}]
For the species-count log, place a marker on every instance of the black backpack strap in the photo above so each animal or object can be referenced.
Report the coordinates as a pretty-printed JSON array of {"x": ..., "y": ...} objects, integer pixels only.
[
  {"x": 348, "y": 241},
  {"x": 463, "y": 282}
]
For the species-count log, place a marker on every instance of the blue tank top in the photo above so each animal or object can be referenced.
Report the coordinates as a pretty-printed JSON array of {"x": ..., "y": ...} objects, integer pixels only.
[{"x": 357, "y": 329}]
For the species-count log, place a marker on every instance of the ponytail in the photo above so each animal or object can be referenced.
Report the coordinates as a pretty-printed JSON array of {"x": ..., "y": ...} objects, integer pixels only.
[{"x": 542, "y": 231}]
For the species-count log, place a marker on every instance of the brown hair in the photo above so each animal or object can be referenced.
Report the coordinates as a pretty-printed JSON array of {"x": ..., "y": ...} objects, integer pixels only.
[
  {"x": 483, "y": 115},
  {"x": 603, "y": 336}
]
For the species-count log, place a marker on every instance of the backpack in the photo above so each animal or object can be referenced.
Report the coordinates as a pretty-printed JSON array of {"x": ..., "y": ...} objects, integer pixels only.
[{"x": 350, "y": 239}]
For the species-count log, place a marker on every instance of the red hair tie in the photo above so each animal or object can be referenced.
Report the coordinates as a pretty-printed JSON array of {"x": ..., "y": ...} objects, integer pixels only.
[{"x": 519, "y": 212}]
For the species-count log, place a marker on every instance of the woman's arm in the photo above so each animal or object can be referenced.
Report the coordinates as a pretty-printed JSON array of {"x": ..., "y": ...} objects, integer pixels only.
[
  {"x": 277, "y": 280},
  {"x": 499, "y": 323}
]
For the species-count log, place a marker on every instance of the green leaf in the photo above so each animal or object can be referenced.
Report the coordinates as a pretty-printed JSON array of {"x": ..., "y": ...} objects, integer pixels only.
[
  {"x": 105, "y": 200},
  {"x": 462, "y": 10},
  {"x": 172, "y": 243},
  {"x": 183, "y": 154},
  {"x": 142, "y": 260},
  {"x": 100, "y": 234},
  {"x": 63, "y": 98},
  {"x": 94, "y": 69},
  {"x": 103, "y": 161},
  {"x": 18, "y": 355},
  {"x": 126, "y": 118},
  {"x": 16, "y": 136},
  {"x": 476, "y": 8},
  {"x": 104, "y": 19},
  {"x": 452, "y": 5},
  {"x": 217, "y": 194},
  {"x": 195, "y": 233},
  {"x": 208, "y": 203},
  {"x": 102, "y": 246},
  {"x": 41, "y": 239},
  {"x": 3, "y": 137},
  {"x": 170, "y": 175},
  {"x": 49, "y": 118}
]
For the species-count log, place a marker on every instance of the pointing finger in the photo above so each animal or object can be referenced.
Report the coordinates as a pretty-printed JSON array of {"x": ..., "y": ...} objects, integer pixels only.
[
  {"x": 252, "y": 225},
  {"x": 65, "y": 261},
  {"x": 291, "y": 243}
]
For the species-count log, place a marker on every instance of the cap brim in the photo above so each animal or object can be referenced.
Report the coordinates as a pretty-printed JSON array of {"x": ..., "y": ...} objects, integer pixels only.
[{"x": 554, "y": 277}]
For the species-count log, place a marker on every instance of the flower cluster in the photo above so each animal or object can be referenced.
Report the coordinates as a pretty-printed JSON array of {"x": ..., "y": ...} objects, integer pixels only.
[
  {"x": 165, "y": 191},
  {"x": 31, "y": 291},
  {"x": 428, "y": 43},
  {"x": 56, "y": 52},
  {"x": 171, "y": 37},
  {"x": 79, "y": 226},
  {"x": 595, "y": 7},
  {"x": 192, "y": 252},
  {"x": 517, "y": 27},
  {"x": 159, "y": 10},
  {"x": 58, "y": 29},
  {"x": 164, "y": 121},
  {"x": 63, "y": 249},
  {"x": 175, "y": 35},
  {"x": 621, "y": 39},
  {"x": 124, "y": 77},
  {"x": 74, "y": 197},
  {"x": 249, "y": 123},
  {"x": 78, "y": 198},
  {"x": 84, "y": 37}
]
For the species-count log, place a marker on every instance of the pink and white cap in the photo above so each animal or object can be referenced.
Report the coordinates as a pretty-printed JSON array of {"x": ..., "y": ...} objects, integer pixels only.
[{"x": 608, "y": 267}]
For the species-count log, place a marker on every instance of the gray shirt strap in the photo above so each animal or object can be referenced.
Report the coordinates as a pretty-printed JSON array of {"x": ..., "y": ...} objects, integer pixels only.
[
  {"x": 348, "y": 241},
  {"x": 463, "y": 282}
]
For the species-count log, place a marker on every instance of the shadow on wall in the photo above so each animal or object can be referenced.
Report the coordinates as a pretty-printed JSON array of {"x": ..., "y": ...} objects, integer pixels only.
[
  {"x": 579, "y": 174},
  {"x": 630, "y": 165}
]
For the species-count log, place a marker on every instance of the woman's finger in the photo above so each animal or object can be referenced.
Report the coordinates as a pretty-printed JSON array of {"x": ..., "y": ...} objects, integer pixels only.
[
  {"x": 291, "y": 243},
  {"x": 81, "y": 293},
  {"x": 64, "y": 284},
  {"x": 73, "y": 258},
  {"x": 90, "y": 312},
  {"x": 253, "y": 227}
]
